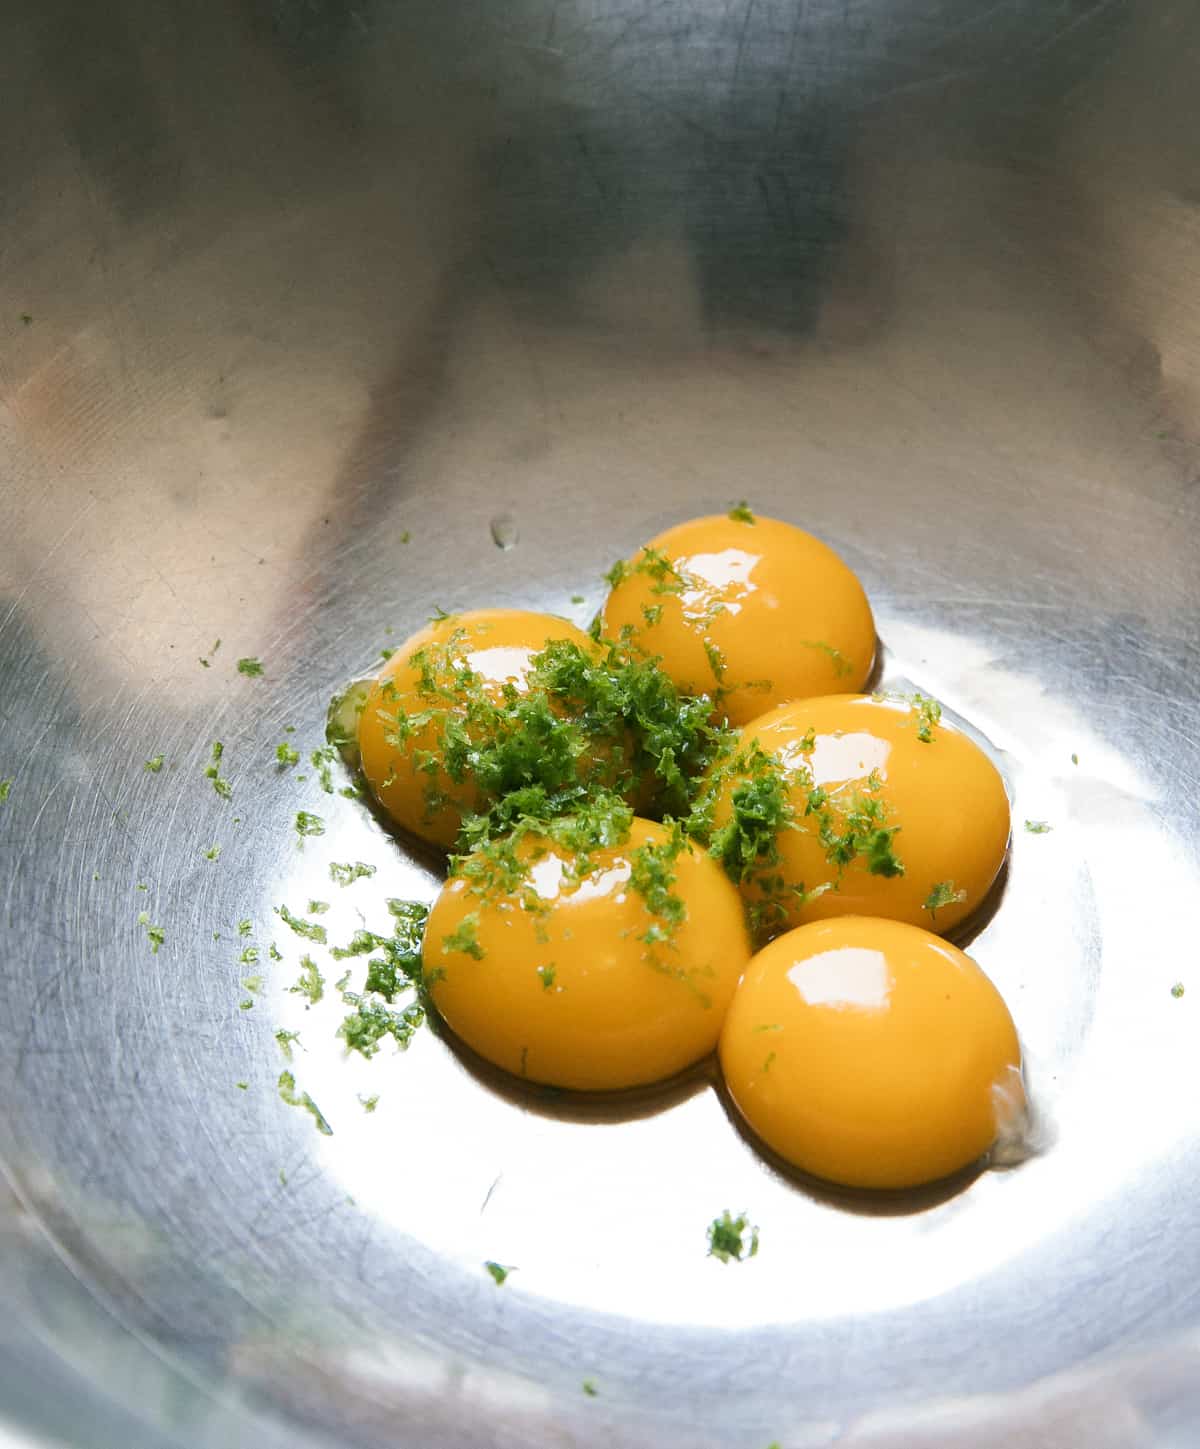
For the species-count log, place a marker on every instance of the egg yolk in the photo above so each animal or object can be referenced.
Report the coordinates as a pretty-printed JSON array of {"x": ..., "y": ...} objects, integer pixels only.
[
  {"x": 575, "y": 970},
  {"x": 872, "y": 1054},
  {"x": 417, "y": 723},
  {"x": 861, "y": 805},
  {"x": 753, "y": 613}
]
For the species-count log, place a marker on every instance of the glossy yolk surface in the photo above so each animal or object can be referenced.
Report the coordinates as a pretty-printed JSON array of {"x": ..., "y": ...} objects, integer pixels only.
[
  {"x": 402, "y": 726},
  {"x": 761, "y": 611},
  {"x": 942, "y": 795},
  {"x": 554, "y": 981},
  {"x": 872, "y": 1054}
]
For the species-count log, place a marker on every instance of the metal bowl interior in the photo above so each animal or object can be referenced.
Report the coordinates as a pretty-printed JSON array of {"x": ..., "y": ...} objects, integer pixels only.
[{"x": 315, "y": 316}]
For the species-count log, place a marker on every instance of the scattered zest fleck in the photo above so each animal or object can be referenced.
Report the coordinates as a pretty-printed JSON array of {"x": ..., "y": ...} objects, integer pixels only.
[
  {"x": 310, "y": 982},
  {"x": 741, "y": 513},
  {"x": 311, "y": 930},
  {"x": 286, "y": 1040},
  {"x": 841, "y": 665},
  {"x": 498, "y": 1272},
  {"x": 929, "y": 716},
  {"x": 153, "y": 765},
  {"x": 322, "y": 761},
  {"x": 213, "y": 650},
  {"x": 726, "y": 1238},
  {"x": 1038, "y": 827},
  {"x": 1074, "y": 759},
  {"x": 287, "y": 1090},
  {"x": 369, "y": 1103},
  {"x": 285, "y": 755},
  {"x": 943, "y": 894},
  {"x": 344, "y": 874},
  {"x": 1177, "y": 990},
  {"x": 308, "y": 825},
  {"x": 213, "y": 772},
  {"x": 463, "y": 938},
  {"x": 251, "y": 668},
  {"x": 589, "y": 1388},
  {"x": 5, "y": 787},
  {"x": 213, "y": 853},
  {"x": 154, "y": 934}
]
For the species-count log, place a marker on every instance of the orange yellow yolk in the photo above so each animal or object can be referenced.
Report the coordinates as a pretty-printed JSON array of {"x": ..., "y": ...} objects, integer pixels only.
[
  {"x": 402, "y": 724},
  {"x": 872, "y": 1054},
  {"x": 754, "y": 613},
  {"x": 942, "y": 795},
  {"x": 572, "y": 980}
]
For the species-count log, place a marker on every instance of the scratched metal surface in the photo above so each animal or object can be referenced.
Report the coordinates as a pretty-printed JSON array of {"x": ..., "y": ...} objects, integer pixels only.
[{"x": 281, "y": 281}]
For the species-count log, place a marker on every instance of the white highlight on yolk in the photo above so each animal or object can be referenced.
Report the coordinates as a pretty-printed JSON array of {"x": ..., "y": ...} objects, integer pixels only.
[
  {"x": 546, "y": 877},
  {"x": 858, "y": 979},
  {"x": 846, "y": 757},
  {"x": 718, "y": 573},
  {"x": 500, "y": 663}
]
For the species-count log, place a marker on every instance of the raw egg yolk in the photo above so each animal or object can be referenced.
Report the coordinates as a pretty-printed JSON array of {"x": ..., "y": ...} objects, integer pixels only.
[
  {"x": 862, "y": 805},
  {"x": 872, "y": 1054},
  {"x": 415, "y": 728},
  {"x": 753, "y": 613},
  {"x": 573, "y": 970}
]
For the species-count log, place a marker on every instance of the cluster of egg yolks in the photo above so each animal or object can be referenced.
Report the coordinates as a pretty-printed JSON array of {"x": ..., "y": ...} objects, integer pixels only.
[
  {"x": 402, "y": 765},
  {"x": 859, "y": 1047},
  {"x": 938, "y": 789},
  {"x": 760, "y": 612},
  {"x": 556, "y": 980},
  {"x": 872, "y": 1054}
]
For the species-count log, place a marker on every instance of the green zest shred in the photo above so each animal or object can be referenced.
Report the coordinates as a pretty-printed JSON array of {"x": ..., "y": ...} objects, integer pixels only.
[
  {"x": 463, "y": 940},
  {"x": 346, "y": 874},
  {"x": 294, "y": 1098},
  {"x": 727, "y": 1238},
  {"x": 322, "y": 761},
  {"x": 154, "y": 934},
  {"x": 308, "y": 825},
  {"x": 929, "y": 716},
  {"x": 370, "y": 1021},
  {"x": 841, "y": 665},
  {"x": 943, "y": 894},
  {"x": 311, "y": 930},
  {"x": 310, "y": 982},
  {"x": 213, "y": 772}
]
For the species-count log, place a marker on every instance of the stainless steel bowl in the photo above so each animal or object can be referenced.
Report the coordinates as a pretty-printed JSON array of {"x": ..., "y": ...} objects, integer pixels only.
[{"x": 283, "y": 282}]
